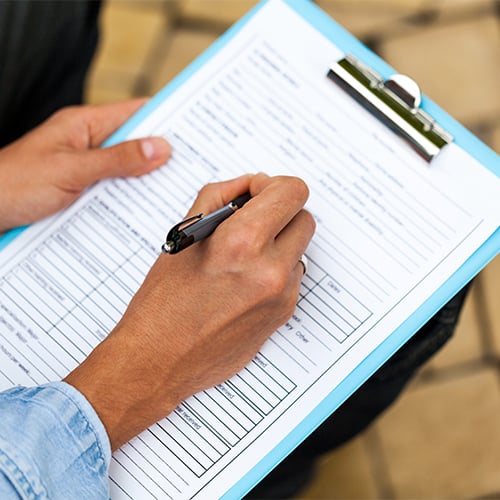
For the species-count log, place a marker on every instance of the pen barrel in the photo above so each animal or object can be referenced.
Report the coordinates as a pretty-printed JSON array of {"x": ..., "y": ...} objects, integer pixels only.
[
  {"x": 206, "y": 226},
  {"x": 178, "y": 239},
  {"x": 241, "y": 200}
]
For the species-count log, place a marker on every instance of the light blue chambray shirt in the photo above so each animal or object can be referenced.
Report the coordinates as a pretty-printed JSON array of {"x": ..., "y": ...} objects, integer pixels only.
[{"x": 52, "y": 445}]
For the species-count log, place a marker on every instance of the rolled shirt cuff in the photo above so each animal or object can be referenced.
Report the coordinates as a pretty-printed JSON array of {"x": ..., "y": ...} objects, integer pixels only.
[{"x": 52, "y": 443}]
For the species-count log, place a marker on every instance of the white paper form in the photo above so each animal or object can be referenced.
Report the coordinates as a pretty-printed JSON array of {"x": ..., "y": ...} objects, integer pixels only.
[{"x": 390, "y": 231}]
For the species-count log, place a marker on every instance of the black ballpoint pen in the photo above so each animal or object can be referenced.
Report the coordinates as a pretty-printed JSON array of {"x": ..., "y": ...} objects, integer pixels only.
[{"x": 198, "y": 227}]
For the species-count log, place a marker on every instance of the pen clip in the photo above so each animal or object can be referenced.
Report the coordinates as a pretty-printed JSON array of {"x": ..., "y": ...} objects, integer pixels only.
[
  {"x": 175, "y": 234},
  {"x": 177, "y": 228}
]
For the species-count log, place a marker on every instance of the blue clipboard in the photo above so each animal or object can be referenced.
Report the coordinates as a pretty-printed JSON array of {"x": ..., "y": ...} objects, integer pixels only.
[
  {"x": 462, "y": 137},
  {"x": 465, "y": 139}
]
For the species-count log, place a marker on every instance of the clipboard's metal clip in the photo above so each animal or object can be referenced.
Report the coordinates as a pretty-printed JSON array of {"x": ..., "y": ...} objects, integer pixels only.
[{"x": 396, "y": 102}]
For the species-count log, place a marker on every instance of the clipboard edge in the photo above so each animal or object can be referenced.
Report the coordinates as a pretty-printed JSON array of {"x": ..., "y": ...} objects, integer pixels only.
[{"x": 463, "y": 138}]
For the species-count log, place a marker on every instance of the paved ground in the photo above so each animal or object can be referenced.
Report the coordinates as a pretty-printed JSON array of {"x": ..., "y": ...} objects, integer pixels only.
[{"x": 442, "y": 439}]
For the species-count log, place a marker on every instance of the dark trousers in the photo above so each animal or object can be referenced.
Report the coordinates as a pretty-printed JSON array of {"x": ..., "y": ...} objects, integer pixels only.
[{"x": 45, "y": 50}]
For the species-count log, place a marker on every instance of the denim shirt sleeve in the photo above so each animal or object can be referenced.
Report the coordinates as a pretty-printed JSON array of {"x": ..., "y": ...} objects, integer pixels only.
[{"x": 52, "y": 445}]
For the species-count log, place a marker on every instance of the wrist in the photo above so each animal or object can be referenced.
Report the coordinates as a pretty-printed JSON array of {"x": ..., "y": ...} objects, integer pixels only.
[{"x": 119, "y": 386}]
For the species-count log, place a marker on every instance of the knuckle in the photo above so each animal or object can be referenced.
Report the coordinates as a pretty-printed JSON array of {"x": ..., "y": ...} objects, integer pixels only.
[
  {"x": 251, "y": 232},
  {"x": 245, "y": 240},
  {"x": 273, "y": 281},
  {"x": 73, "y": 120},
  {"x": 297, "y": 188},
  {"x": 67, "y": 115},
  {"x": 67, "y": 112},
  {"x": 208, "y": 190},
  {"x": 289, "y": 306},
  {"x": 310, "y": 221}
]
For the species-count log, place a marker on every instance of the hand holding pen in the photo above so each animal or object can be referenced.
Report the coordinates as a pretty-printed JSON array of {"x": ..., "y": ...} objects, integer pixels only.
[
  {"x": 198, "y": 227},
  {"x": 203, "y": 313}
]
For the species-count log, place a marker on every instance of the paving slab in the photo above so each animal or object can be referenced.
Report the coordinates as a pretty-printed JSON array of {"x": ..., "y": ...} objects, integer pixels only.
[
  {"x": 495, "y": 142},
  {"x": 456, "y": 65},
  {"x": 442, "y": 440},
  {"x": 220, "y": 11},
  {"x": 490, "y": 280},
  {"x": 109, "y": 86},
  {"x": 343, "y": 474},
  {"x": 185, "y": 46}
]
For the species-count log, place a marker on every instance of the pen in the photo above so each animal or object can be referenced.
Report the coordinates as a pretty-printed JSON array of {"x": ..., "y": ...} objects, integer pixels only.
[{"x": 198, "y": 227}]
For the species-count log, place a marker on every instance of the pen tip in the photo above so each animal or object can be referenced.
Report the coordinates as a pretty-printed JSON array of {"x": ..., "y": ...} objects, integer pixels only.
[{"x": 167, "y": 247}]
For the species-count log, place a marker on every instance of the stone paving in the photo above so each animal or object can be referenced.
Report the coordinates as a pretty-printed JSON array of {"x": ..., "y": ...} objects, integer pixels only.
[{"x": 442, "y": 438}]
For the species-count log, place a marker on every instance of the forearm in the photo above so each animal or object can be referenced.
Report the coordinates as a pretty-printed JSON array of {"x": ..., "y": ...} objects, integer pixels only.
[{"x": 114, "y": 378}]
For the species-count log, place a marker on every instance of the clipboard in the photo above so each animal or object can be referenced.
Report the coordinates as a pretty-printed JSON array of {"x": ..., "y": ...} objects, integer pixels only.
[
  {"x": 349, "y": 44},
  {"x": 449, "y": 129}
]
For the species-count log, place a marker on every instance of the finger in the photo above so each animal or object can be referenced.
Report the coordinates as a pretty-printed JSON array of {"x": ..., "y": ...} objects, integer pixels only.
[
  {"x": 296, "y": 276},
  {"x": 102, "y": 120},
  {"x": 291, "y": 246},
  {"x": 292, "y": 242},
  {"x": 131, "y": 158},
  {"x": 275, "y": 202},
  {"x": 218, "y": 194}
]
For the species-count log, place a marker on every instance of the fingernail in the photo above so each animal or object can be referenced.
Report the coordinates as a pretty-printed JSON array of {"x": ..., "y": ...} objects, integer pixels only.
[{"x": 154, "y": 148}]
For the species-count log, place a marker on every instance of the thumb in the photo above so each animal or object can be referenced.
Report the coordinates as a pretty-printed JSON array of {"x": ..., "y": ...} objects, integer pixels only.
[
  {"x": 130, "y": 158},
  {"x": 216, "y": 195}
]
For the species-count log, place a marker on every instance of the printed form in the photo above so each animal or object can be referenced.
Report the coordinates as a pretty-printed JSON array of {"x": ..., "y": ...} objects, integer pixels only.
[{"x": 390, "y": 230}]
